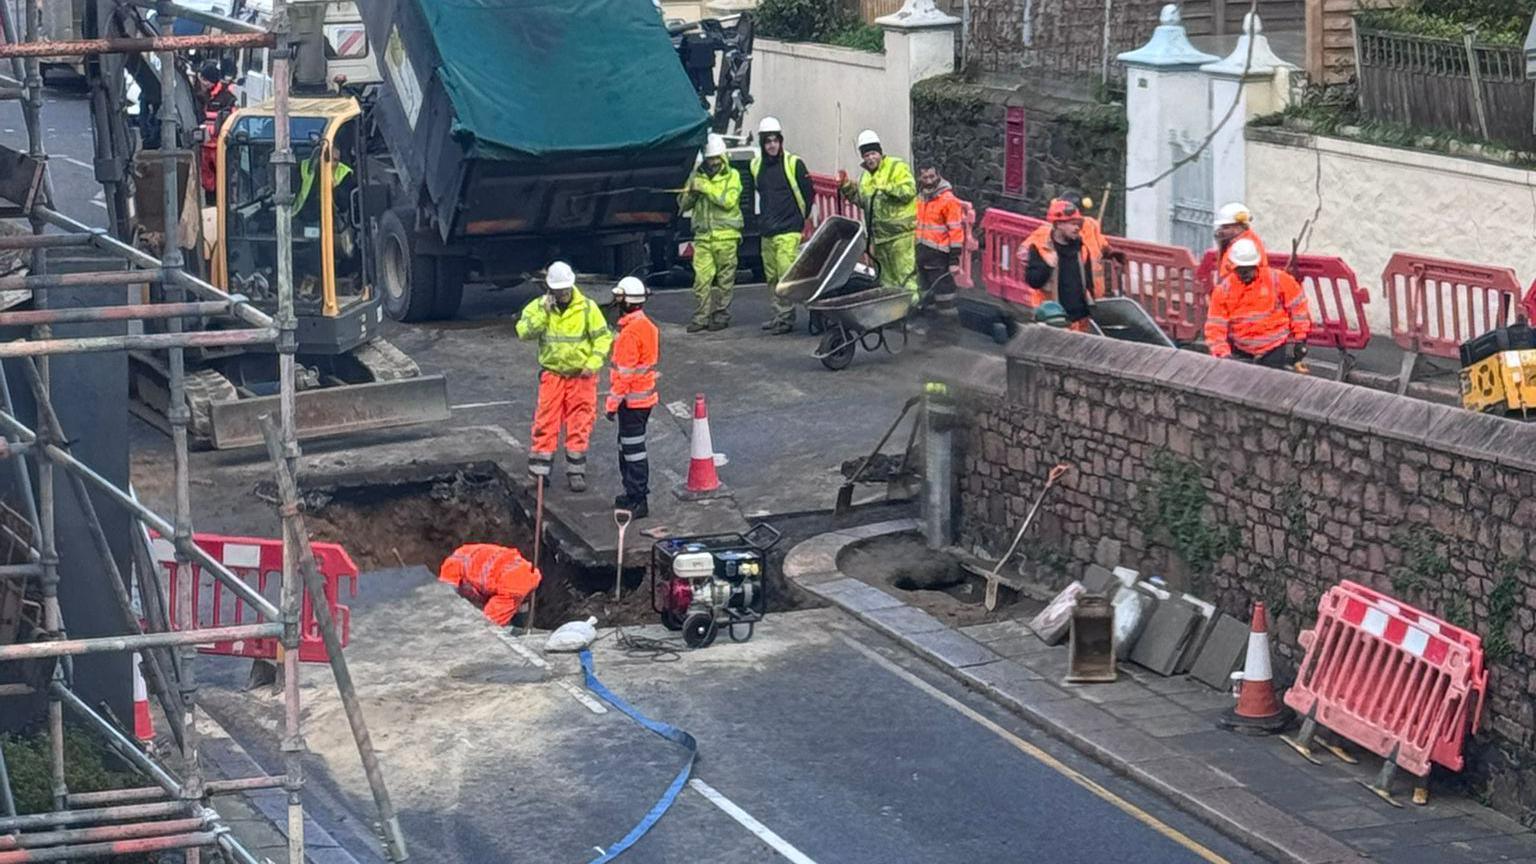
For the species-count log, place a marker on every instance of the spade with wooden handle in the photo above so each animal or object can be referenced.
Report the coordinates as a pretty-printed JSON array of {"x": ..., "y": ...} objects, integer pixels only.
[{"x": 1050, "y": 480}]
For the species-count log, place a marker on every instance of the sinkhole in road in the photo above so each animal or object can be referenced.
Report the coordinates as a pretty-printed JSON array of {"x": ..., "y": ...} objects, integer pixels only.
[{"x": 421, "y": 522}]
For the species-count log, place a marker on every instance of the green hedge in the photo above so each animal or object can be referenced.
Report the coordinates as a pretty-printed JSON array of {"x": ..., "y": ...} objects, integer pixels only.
[
  {"x": 1499, "y": 22},
  {"x": 824, "y": 21}
]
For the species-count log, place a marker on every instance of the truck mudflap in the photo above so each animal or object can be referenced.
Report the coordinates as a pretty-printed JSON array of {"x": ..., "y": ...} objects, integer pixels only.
[{"x": 335, "y": 410}]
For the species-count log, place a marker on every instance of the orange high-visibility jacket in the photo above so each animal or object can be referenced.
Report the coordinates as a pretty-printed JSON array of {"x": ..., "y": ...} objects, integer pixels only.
[
  {"x": 632, "y": 374},
  {"x": 1224, "y": 267},
  {"x": 1094, "y": 247},
  {"x": 1256, "y": 318},
  {"x": 495, "y": 578},
  {"x": 940, "y": 221}
]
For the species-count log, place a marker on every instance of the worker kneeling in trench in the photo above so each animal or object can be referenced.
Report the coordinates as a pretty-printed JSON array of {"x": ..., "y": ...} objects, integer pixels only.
[{"x": 495, "y": 578}]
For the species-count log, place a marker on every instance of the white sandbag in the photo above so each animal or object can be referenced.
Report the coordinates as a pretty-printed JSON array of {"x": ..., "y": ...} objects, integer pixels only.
[
  {"x": 1132, "y": 610},
  {"x": 572, "y": 636}
]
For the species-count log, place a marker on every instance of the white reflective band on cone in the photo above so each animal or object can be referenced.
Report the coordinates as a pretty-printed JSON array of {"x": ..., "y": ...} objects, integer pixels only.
[{"x": 1256, "y": 667}]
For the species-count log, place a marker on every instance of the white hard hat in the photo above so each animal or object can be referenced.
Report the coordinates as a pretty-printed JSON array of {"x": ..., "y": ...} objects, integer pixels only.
[
  {"x": 560, "y": 276},
  {"x": 715, "y": 146},
  {"x": 769, "y": 126},
  {"x": 1235, "y": 213},
  {"x": 631, "y": 289},
  {"x": 1244, "y": 253},
  {"x": 868, "y": 138}
]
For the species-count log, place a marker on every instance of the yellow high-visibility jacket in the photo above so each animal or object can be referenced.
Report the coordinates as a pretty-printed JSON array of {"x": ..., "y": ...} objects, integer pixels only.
[{"x": 570, "y": 342}]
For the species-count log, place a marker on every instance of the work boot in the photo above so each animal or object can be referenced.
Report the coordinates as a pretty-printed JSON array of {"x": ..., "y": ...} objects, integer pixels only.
[
  {"x": 577, "y": 482},
  {"x": 781, "y": 328},
  {"x": 639, "y": 510},
  {"x": 719, "y": 323},
  {"x": 770, "y": 324},
  {"x": 696, "y": 326}
]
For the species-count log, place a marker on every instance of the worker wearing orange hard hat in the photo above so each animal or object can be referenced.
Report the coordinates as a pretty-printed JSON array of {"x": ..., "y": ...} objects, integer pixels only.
[{"x": 1065, "y": 263}]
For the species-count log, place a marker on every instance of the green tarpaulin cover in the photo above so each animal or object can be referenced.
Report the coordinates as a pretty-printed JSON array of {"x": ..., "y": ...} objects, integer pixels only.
[{"x": 540, "y": 78}]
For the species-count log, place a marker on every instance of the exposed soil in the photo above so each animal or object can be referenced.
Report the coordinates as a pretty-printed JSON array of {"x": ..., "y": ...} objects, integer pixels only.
[{"x": 932, "y": 581}]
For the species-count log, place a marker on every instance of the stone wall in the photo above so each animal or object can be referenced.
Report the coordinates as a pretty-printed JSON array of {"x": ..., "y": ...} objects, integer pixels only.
[
  {"x": 1063, "y": 39},
  {"x": 1071, "y": 144},
  {"x": 1244, "y": 484}
]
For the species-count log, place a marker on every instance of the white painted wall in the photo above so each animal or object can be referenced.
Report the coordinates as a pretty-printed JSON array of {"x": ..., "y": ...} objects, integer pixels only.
[
  {"x": 1159, "y": 103},
  {"x": 1379, "y": 200},
  {"x": 825, "y": 95}
]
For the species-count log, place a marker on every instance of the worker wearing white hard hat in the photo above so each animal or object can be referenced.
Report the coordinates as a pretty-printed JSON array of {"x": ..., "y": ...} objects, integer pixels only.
[
  {"x": 712, "y": 200},
  {"x": 573, "y": 342},
  {"x": 888, "y": 195},
  {"x": 784, "y": 196},
  {"x": 1257, "y": 312},
  {"x": 632, "y": 392},
  {"x": 1232, "y": 222}
]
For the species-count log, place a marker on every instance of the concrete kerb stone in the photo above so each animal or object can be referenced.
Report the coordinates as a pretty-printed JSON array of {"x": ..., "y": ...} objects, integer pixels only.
[{"x": 1080, "y": 725}]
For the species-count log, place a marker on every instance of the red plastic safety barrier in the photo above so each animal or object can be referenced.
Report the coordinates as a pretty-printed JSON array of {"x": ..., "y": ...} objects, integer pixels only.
[
  {"x": 1437, "y": 304},
  {"x": 259, "y": 562},
  {"x": 1394, "y": 683},
  {"x": 825, "y": 201},
  {"x": 1002, "y": 261},
  {"x": 1335, "y": 299},
  {"x": 1165, "y": 281},
  {"x": 965, "y": 279}
]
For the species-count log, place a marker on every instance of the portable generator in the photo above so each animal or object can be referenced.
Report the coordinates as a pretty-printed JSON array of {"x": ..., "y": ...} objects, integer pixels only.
[{"x": 701, "y": 584}]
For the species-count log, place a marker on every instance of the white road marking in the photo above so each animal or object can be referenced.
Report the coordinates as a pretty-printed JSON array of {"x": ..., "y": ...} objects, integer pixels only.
[
  {"x": 73, "y": 161},
  {"x": 680, "y": 409},
  {"x": 761, "y": 831},
  {"x": 469, "y": 406},
  {"x": 520, "y": 649},
  {"x": 582, "y": 696}
]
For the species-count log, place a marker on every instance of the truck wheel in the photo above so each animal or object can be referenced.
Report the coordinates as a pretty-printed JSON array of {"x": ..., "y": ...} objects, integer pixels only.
[
  {"x": 407, "y": 281},
  {"x": 451, "y": 272}
]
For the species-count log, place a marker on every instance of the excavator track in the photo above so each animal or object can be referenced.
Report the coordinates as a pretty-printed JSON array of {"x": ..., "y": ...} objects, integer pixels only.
[{"x": 384, "y": 361}]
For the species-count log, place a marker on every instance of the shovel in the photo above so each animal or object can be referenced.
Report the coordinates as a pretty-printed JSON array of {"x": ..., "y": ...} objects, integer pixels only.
[
  {"x": 845, "y": 491},
  {"x": 621, "y": 518},
  {"x": 1050, "y": 480}
]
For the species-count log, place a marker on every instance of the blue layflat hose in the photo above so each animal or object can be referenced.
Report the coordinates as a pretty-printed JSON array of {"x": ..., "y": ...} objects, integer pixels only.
[{"x": 665, "y": 730}]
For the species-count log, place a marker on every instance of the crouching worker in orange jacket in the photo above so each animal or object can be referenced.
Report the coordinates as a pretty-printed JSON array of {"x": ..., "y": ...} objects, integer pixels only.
[
  {"x": 495, "y": 578},
  {"x": 632, "y": 393},
  {"x": 573, "y": 341},
  {"x": 1257, "y": 311}
]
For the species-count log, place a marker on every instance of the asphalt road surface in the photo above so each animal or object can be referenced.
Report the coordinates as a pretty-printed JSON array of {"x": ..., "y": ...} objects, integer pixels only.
[
  {"x": 66, "y": 117},
  {"x": 819, "y": 741}
]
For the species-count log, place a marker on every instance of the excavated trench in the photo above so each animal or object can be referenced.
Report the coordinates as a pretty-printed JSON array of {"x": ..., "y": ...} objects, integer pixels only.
[{"x": 385, "y": 525}]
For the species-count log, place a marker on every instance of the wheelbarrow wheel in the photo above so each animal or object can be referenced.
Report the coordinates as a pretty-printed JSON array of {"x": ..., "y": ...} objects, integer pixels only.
[
  {"x": 834, "y": 357},
  {"x": 699, "y": 630}
]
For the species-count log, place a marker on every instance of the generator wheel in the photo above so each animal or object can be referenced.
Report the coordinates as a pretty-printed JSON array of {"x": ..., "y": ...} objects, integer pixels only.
[
  {"x": 672, "y": 620},
  {"x": 699, "y": 630}
]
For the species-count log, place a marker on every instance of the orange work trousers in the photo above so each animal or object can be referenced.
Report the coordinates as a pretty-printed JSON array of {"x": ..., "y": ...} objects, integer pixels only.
[{"x": 569, "y": 401}]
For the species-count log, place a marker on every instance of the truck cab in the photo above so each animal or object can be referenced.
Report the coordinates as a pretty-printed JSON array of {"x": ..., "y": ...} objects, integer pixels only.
[{"x": 343, "y": 46}]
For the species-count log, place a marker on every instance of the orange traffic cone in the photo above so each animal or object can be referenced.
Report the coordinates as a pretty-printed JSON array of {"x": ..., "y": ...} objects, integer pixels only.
[
  {"x": 1258, "y": 710},
  {"x": 143, "y": 723},
  {"x": 703, "y": 481}
]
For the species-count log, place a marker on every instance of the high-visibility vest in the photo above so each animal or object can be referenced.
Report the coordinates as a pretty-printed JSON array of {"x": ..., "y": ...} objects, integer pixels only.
[
  {"x": 572, "y": 341},
  {"x": 307, "y": 181},
  {"x": 890, "y": 194},
  {"x": 1092, "y": 259},
  {"x": 632, "y": 374},
  {"x": 791, "y": 164},
  {"x": 941, "y": 221},
  {"x": 716, "y": 208},
  {"x": 495, "y": 578},
  {"x": 1256, "y": 317}
]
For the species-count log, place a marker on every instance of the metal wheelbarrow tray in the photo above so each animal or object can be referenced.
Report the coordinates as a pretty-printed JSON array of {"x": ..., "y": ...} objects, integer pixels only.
[
  {"x": 825, "y": 262},
  {"x": 856, "y": 319}
]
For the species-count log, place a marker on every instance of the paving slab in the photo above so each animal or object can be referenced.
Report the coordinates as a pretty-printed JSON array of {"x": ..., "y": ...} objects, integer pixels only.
[
  {"x": 1222, "y": 652},
  {"x": 1144, "y": 708},
  {"x": 1027, "y": 645},
  {"x": 1174, "y": 725},
  {"x": 950, "y": 647},
  {"x": 906, "y": 620},
  {"x": 1124, "y": 690},
  {"x": 857, "y": 596},
  {"x": 1077, "y": 716},
  {"x": 1181, "y": 772},
  {"x": 996, "y": 630},
  {"x": 1053, "y": 622},
  {"x": 1130, "y": 746},
  {"x": 1098, "y": 580},
  {"x": 1168, "y": 630}
]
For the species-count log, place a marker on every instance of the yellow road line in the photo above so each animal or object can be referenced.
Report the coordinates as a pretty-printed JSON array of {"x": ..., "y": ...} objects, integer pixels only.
[{"x": 1039, "y": 755}]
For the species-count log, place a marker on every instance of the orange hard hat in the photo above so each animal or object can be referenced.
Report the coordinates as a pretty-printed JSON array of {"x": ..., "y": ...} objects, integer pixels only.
[{"x": 1062, "y": 210}]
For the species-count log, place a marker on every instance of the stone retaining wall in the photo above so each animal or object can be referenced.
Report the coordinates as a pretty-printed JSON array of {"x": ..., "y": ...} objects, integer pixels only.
[{"x": 1242, "y": 484}]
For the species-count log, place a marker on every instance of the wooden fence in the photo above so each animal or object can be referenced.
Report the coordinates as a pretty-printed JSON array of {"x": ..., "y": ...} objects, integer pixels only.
[{"x": 1455, "y": 86}]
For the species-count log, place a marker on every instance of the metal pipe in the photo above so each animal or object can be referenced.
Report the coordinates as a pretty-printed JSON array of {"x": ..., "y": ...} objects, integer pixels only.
[
  {"x": 126, "y": 813},
  {"x": 7, "y": 799},
  {"x": 15, "y": 690},
  {"x": 45, "y": 241},
  {"x": 149, "y": 517},
  {"x": 105, "y": 242},
  {"x": 141, "y": 342},
  {"x": 103, "y": 832},
  {"x": 155, "y": 793},
  {"x": 212, "y": 19},
  {"x": 296, "y": 535},
  {"x": 125, "y": 745},
  {"x": 8, "y": 570},
  {"x": 133, "y": 45},
  {"x": 108, "y": 644},
  {"x": 115, "y": 847},
  {"x": 105, "y": 279},
  {"x": 92, "y": 314}
]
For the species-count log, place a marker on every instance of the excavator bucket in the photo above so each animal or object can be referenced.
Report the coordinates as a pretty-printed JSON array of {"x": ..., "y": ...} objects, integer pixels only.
[
  {"x": 1091, "y": 650},
  {"x": 335, "y": 410}
]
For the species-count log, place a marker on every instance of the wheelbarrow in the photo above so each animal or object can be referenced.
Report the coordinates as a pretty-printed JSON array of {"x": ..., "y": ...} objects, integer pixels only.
[
  {"x": 862, "y": 318},
  {"x": 827, "y": 266}
]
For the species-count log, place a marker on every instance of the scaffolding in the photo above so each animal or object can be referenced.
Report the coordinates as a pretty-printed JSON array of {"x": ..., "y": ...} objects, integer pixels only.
[{"x": 173, "y": 812}]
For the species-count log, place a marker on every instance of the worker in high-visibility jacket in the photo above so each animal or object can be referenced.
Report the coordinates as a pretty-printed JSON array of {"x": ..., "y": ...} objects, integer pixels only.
[
  {"x": 784, "y": 196},
  {"x": 573, "y": 341},
  {"x": 1257, "y": 312},
  {"x": 632, "y": 392},
  {"x": 888, "y": 195},
  {"x": 1065, "y": 263},
  {"x": 1234, "y": 222},
  {"x": 940, "y": 237},
  {"x": 712, "y": 200},
  {"x": 495, "y": 578}
]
